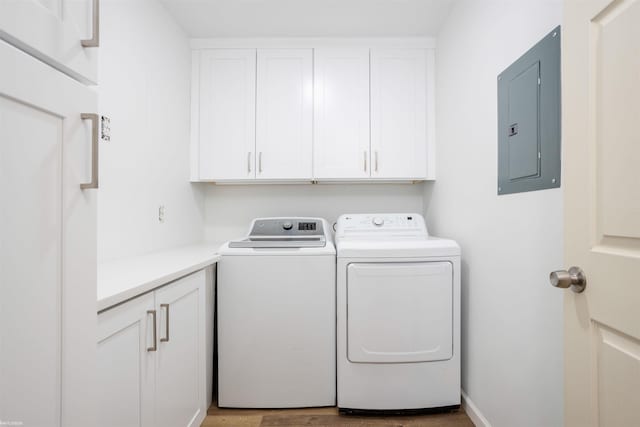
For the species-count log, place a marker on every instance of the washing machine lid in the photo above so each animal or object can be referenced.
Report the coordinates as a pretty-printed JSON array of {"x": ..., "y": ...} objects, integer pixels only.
[{"x": 280, "y": 242}]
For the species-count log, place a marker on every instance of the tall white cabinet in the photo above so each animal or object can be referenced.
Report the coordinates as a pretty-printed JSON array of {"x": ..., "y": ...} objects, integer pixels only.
[
  {"x": 48, "y": 134},
  {"x": 62, "y": 33},
  {"x": 48, "y": 245}
]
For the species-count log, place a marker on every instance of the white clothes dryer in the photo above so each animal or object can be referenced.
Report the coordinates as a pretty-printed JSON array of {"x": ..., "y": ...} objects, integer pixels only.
[
  {"x": 398, "y": 315},
  {"x": 276, "y": 316}
]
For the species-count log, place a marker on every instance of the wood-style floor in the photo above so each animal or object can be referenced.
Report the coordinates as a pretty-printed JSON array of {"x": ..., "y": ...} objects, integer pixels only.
[{"x": 326, "y": 417}]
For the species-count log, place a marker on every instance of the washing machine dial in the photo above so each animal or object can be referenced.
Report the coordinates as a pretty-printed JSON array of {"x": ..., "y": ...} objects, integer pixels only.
[
  {"x": 378, "y": 222},
  {"x": 287, "y": 225}
]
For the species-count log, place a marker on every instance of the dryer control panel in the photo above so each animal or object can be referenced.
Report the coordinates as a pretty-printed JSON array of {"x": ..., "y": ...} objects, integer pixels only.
[{"x": 406, "y": 224}]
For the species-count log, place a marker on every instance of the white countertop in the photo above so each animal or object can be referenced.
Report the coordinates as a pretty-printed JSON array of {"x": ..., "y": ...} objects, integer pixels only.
[{"x": 126, "y": 278}]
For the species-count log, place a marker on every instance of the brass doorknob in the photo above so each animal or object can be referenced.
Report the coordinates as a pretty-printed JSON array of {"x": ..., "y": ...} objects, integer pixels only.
[{"x": 574, "y": 278}]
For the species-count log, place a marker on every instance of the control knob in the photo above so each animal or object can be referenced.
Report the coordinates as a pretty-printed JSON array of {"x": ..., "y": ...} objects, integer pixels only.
[
  {"x": 377, "y": 221},
  {"x": 287, "y": 225}
]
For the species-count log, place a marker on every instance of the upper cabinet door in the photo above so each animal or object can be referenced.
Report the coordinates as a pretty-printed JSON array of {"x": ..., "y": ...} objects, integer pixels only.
[
  {"x": 225, "y": 83},
  {"x": 284, "y": 129},
  {"x": 399, "y": 113},
  {"x": 341, "y": 128},
  {"x": 62, "y": 33}
]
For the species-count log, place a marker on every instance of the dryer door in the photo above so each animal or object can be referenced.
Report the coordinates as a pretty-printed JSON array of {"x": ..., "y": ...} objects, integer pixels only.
[{"x": 399, "y": 312}]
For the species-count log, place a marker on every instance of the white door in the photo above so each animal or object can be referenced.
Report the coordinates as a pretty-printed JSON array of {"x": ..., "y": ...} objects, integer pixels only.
[
  {"x": 47, "y": 246},
  {"x": 399, "y": 113},
  {"x": 180, "y": 369},
  {"x": 224, "y": 114},
  {"x": 126, "y": 364},
  {"x": 601, "y": 95},
  {"x": 284, "y": 114},
  {"x": 399, "y": 312},
  {"x": 341, "y": 113},
  {"x": 63, "y": 33}
]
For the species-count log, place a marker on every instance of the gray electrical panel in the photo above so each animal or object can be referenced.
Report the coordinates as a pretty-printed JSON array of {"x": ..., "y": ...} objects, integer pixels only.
[{"x": 529, "y": 119}]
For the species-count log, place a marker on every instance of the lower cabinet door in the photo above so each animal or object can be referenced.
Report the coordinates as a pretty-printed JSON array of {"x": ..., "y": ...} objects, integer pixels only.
[
  {"x": 180, "y": 361},
  {"x": 126, "y": 365}
]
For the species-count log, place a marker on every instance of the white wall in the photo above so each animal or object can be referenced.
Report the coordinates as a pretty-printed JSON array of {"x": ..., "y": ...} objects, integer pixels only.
[
  {"x": 145, "y": 71},
  {"x": 512, "y": 318},
  {"x": 230, "y": 208}
]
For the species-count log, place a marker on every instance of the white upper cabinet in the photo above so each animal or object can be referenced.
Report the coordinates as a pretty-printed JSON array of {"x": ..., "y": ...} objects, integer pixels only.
[
  {"x": 338, "y": 112},
  {"x": 341, "y": 113},
  {"x": 284, "y": 114},
  {"x": 62, "y": 33},
  {"x": 224, "y": 118},
  {"x": 399, "y": 113}
]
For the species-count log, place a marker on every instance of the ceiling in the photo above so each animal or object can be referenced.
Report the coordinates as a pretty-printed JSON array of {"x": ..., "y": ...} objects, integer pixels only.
[{"x": 309, "y": 18}]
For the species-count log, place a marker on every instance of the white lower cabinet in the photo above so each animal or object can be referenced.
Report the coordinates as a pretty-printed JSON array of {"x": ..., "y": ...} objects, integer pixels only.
[
  {"x": 152, "y": 368},
  {"x": 180, "y": 371},
  {"x": 126, "y": 371}
]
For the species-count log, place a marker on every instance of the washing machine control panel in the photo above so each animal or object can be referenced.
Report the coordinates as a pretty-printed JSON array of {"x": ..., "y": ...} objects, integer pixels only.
[
  {"x": 287, "y": 227},
  {"x": 405, "y": 224},
  {"x": 284, "y": 233}
]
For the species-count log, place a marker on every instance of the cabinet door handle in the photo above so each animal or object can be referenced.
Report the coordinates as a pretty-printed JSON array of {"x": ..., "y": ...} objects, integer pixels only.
[
  {"x": 260, "y": 162},
  {"x": 154, "y": 347},
  {"x": 376, "y": 167},
  {"x": 249, "y": 162},
  {"x": 166, "y": 322},
  {"x": 94, "y": 150},
  {"x": 364, "y": 158},
  {"x": 94, "y": 41}
]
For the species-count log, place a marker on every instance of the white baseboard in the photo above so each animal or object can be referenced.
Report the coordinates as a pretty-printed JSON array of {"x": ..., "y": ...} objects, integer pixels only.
[{"x": 473, "y": 412}]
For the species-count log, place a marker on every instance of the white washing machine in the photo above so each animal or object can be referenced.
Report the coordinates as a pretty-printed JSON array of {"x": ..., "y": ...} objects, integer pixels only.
[
  {"x": 276, "y": 317},
  {"x": 398, "y": 315}
]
